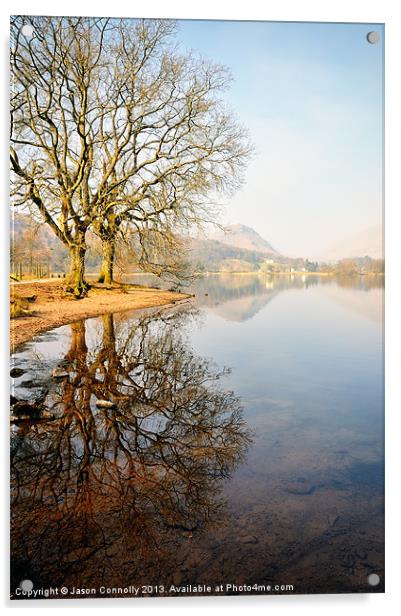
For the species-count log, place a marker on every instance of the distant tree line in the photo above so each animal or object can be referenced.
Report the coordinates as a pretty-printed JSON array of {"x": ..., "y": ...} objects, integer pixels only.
[
  {"x": 355, "y": 266},
  {"x": 36, "y": 252}
]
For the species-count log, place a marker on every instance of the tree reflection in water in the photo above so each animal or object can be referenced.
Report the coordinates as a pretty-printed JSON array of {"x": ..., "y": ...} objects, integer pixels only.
[{"x": 117, "y": 495}]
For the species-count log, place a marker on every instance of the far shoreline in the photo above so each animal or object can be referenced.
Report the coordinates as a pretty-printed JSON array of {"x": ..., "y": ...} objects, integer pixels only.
[
  {"x": 50, "y": 307},
  {"x": 296, "y": 273}
]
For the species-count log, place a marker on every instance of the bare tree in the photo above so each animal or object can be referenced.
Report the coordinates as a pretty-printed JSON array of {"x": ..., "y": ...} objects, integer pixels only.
[
  {"x": 111, "y": 124},
  {"x": 55, "y": 125},
  {"x": 184, "y": 146}
]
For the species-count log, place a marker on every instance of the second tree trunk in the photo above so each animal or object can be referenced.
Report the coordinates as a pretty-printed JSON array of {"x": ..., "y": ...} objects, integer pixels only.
[
  {"x": 108, "y": 253},
  {"x": 76, "y": 283}
]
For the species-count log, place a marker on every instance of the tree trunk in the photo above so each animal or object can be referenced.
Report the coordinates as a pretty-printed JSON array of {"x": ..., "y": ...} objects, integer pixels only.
[
  {"x": 108, "y": 254},
  {"x": 109, "y": 336},
  {"x": 78, "y": 351},
  {"x": 76, "y": 283},
  {"x": 110, "y": 351}
]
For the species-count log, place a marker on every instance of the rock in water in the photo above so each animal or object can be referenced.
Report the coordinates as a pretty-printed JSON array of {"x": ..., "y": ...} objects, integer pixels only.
[
  {"x": 59, "y": 373},
  {"x": 47, "y": 415},
  {"x": 249, "y": 539},
  {"x": 24, "y": 408},
  {"x": 105, "y": 404},
  {"x": 15, "y": 419},
  {"x": 16, "y": 372},
  {"x": 300, "y": 486}
]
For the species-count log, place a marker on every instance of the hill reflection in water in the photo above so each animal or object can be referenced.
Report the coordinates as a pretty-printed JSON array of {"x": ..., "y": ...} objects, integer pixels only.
[{"x": 239, "y": 297}]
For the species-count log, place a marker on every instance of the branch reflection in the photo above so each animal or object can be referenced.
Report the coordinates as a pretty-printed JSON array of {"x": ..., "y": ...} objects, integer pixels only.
[{"x": 129, "y": 472}]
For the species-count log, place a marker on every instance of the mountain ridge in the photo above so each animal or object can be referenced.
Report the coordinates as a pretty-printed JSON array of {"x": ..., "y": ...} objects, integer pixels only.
[
  {"x": 367, "y": 242},
  {"x": 245, "y": 238}
]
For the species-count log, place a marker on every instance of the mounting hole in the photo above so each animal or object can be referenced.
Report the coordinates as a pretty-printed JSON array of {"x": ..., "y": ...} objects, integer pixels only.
[
  {"x": 27, "y": 30},
  {"x": 373, "y": 579},
  {"x": 373, "y": 37},
  {"x": 26, "y": 585}
]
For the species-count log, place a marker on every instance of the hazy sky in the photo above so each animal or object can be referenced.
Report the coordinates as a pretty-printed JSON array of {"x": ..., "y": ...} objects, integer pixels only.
[{"x": 311, "y": 96}]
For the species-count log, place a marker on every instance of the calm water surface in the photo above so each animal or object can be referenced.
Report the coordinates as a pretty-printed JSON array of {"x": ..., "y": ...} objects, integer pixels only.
[{"x": 245, "y": 445}]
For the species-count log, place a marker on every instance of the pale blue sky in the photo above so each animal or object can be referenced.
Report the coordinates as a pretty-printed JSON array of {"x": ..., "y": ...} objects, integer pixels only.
[{"x": 311, "y": 96}]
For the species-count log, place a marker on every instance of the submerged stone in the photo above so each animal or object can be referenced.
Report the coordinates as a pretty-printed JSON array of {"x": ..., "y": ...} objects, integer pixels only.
[
  {"x": 15, "y": 419},
  {"x": 300, "y": 487},
  {"x": 249, "y": 539},
  {"x": 47, "y": 415},
  {"x": 16, "y": 372},
  {"x": 22, "y": 407},
  {"x": 105, "y": 404},
  {"x": 59, "y": 373}
]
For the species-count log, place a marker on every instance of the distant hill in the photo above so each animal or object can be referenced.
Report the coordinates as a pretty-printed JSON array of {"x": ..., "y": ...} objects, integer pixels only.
[
  {"x": 213, "y": 255},
  {"x": 368, "y": 242},
  {"x": 243, "y": 237}
]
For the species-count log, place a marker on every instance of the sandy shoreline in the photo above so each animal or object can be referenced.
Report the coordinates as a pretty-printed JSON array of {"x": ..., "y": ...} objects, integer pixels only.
[{"x": 53, "y": 308}]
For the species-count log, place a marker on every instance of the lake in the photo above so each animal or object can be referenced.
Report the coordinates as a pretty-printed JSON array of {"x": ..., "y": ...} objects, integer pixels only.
[{"x": 236, "y": 439}]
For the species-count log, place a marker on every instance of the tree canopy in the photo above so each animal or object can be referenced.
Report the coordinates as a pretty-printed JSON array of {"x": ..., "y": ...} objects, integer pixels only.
[{"x": 112, "y": 125}]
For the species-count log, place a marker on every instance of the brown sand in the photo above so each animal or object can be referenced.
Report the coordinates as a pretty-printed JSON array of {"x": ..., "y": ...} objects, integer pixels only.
[{"x": 52, "y": 307}]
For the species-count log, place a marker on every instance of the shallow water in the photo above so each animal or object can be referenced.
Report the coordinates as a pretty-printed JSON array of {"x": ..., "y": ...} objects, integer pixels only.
[{"x": 270, "y": 472}]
